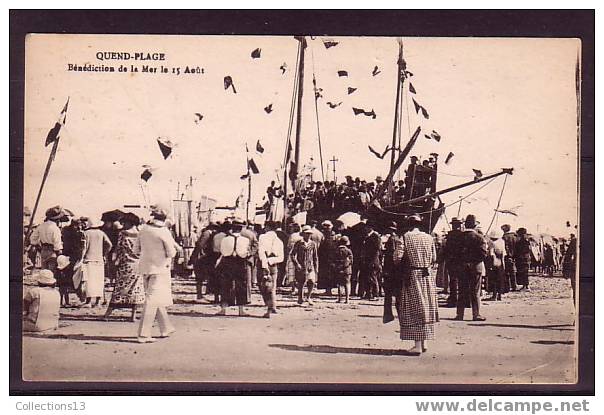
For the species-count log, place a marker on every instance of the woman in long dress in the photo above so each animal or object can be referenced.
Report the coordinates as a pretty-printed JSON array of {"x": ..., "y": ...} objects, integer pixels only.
[
  {"x": 418, "y": 311},
  {"x": 128, "y": 290},
  {"x": 93, "y": 262}
]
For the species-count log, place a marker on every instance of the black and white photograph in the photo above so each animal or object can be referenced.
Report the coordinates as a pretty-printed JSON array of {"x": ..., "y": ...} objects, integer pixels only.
[{"x": 304, "y": 209}]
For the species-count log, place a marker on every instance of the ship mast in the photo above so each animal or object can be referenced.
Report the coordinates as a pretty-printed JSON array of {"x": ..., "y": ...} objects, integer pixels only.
[{"x": 397, "y": 108}]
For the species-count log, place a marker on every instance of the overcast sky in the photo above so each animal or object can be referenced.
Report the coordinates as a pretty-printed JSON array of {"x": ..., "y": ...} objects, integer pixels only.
[{"x": 495, "y": 102}]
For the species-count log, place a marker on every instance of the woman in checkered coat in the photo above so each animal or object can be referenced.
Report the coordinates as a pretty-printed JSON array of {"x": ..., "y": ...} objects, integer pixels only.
[{"x": 419, "y": 306}]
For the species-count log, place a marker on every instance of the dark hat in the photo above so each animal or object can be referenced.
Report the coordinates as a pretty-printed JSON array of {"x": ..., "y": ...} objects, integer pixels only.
[
  {"x": 471, "y": 221},
  {"x": 521, "y": 231},
  {"x": 130, "y": 218},
  {"x": 344, "y": 240},
  {"x": 413, "y": 157},
  {"x": 506, "y": 227},
  {"x": 455, "y": 219},
  {"x": 379, "y": 179},
  {"x": 55, "y": 213}
]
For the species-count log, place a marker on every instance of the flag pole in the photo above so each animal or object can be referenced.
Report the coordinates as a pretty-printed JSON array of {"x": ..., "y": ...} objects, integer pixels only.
[
  {"x": 51, "y": 158},
  {"x": 249, "y": 184}
]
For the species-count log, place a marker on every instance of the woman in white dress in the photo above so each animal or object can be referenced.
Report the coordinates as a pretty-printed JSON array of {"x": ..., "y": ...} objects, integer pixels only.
[{"x": 93, "y": 261}]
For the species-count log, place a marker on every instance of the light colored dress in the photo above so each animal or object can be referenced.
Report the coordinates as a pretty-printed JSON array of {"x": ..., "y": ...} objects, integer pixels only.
[{"x": 93, "y": 263}]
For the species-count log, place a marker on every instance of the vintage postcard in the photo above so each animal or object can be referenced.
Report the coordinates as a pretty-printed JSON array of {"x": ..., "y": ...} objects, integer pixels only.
[{"x": 310, "y": 209}]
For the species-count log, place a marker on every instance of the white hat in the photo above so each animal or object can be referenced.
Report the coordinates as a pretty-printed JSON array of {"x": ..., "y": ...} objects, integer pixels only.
[
  {"x": 62, "y": 262},
  {"x": 46, "y": 276},
  {"x": 94, "y": 223},
  {"x": 495, "y": 234},
  {"x": 327, "y": 223},
  {"x": 306, "y": 229}
]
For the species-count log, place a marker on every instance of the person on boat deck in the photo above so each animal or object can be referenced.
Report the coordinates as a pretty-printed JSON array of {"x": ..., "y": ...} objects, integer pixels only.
[
  {"x": 41, "y": 304},
  {"x": 418, "y": 311},
  {"x": 410, "y": 174},
  {"x": 234, "y": 254}
]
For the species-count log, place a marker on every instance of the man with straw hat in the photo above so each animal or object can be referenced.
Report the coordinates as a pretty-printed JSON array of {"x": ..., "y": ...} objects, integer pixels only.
[
  {"x": 47, "y": 237},
  {"x": 41, "y": 304}
]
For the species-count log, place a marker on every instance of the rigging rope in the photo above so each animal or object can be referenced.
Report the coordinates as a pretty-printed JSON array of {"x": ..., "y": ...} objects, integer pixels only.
[
  {"x": 498, "y": 203},
  {"x": 291, "y": 112},
  {"x": 444, "y": 207},
  {"x": 314, "y": 83}
]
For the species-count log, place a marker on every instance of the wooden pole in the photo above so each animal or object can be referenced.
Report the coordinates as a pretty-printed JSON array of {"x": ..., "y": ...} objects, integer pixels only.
[
  {"x": 302, "y": 41},
  {"x": 397, "y": 125},
  {"x": 51, "y": 158}
]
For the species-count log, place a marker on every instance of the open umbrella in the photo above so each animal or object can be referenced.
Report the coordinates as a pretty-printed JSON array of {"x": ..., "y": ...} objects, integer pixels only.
[{"x": 349, "y": 219}]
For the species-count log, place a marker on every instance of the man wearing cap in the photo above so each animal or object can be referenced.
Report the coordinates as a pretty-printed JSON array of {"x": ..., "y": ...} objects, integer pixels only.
[
  {"x": 453, "y": 254},
  {"x": 47, "y": 237},
  {"x": 475, "y": 250},
  {"x": 232, "y": 266},
  {"x": 270, "y": 255},
  {"x": 157, "y": 248},
  {"x": 510, "y": 238},
  {"x": 326, "y": 251},
  {"x": 41, "y": 304},
  {"x": 305, "y": 258}
]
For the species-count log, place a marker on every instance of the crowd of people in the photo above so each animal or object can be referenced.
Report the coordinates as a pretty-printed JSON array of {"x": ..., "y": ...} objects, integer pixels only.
[
  {"x": 328, "y": 198},
  {"x": 404, "y": 265}
]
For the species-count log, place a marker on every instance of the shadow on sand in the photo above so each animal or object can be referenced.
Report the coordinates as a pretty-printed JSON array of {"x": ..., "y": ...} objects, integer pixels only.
[
  {"x": 334, "y": 349},
  {"x": 553, "y": 342},
  {"x": 559, "y": 327},
  {"x": 83, "y": 337}
]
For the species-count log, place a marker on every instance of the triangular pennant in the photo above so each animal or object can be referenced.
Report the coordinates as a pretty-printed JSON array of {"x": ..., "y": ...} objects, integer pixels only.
[
  {"x": 351, "y": 90},
  {"x": 253, "y": 167},
  {"x": 165, "y": 146},
  {"x": 449, "y": 157},
  {"x": 228, "y": 83},
  {"x": 329, "y": 43},
  {"x": 412, "y": 88},
  {"x": 342, "y": 73},
  {"x": 259, "y": 147},
  {"x": 256, "y": 53},
  {"x": 146, "y": 174},
  {"x": 54, "y": 132}
]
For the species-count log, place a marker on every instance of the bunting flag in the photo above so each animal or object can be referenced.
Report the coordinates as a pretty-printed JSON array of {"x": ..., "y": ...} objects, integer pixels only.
[
  {"x": 146, "y": 174},
  {"x": 342, "y": 73},
  {"x": 351, "y": 90},
  {"x": 358, "y": 111},
  {"x": 412, "y": 88},
  {"x": 165, "y": 146},
  {"x": 292, "y": 171},
  {"x": 268, "y": 109},
  {"x": 449, "y": 157},
  {"x": 477, "y": 174},
  {"x": 252, "y": 165},
  {"x": 256, "y": 53},
  {"x": 378, "y": 155},
  {"x": 54, "y": 133},
  {"x": 568, "y": 225},
  {"x": 329, "y": 43},
  {"x": 318, "y": 93},
  {"x": 375, "y": 71},
  {"x": 198, "y": 118},
  {"x": 228, "y": 83},
  {"x": 259, "y": 147},
  {"x": 506, "y": 211},
  {"x": 245, "y": 176},
  {"x": 283, "y": 68},
  {"x": 433, "y": 136},
  {"x": 419, "y": 108},
  {"x": 333, "y": 105}
]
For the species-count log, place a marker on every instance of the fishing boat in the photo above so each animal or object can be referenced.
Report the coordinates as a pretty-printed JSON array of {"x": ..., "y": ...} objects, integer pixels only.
[{"x": 421, "y": 196}]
